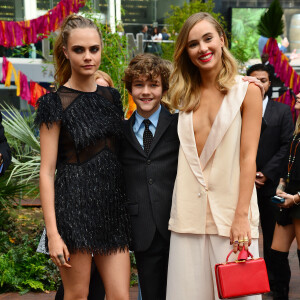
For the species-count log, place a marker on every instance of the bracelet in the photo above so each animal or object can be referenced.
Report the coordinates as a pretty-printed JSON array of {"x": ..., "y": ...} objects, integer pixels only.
[
  {"x": 281, "y": 187},
  {"x": 296, "y": 203}
]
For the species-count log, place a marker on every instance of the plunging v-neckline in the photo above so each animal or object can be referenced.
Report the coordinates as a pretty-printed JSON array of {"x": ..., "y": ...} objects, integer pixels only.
[
  {"x": 211, "y": 131},
  {"x": 227, "y": 112}
]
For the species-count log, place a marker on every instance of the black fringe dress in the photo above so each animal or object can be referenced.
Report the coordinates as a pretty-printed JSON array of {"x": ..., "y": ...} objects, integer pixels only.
[{"x": 90, "y": 200}]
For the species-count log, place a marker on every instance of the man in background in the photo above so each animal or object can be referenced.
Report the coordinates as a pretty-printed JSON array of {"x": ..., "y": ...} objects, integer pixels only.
[{"x": 277, "y": 129}]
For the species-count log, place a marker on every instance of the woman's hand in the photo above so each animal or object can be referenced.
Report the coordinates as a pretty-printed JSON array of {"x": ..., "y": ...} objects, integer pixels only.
[
  {"x": 58, "y": 251},
  {"x": 240, "y": 233},
  {"x": 281, "y": 187},
  {"x": 289, "y": 202},
  {"x": 279, "y": 192}
]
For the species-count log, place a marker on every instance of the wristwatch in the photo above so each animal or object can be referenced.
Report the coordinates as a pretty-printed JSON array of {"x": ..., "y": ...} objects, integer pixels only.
[{"x": 298, "y": 194}]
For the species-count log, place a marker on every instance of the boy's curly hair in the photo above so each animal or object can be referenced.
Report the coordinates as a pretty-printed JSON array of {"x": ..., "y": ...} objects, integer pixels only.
[{"x": 148, "y": 65}]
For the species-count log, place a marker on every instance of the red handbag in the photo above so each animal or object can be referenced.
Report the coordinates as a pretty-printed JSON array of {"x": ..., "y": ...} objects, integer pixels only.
[{"x": 242, "y": 277}]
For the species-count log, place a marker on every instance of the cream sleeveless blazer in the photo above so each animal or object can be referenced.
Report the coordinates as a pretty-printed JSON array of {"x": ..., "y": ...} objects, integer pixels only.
[{"x": 221, "y": 153}]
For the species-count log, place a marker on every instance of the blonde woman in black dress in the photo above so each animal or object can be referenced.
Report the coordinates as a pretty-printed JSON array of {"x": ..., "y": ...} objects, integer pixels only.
[{"x": 84, "y": 204}]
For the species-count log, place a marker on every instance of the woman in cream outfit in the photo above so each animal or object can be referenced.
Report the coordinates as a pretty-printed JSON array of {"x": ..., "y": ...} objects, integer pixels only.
[{"x": 214, "y": 205}]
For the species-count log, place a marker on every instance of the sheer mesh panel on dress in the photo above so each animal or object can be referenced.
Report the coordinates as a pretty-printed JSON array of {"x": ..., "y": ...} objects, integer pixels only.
[
  {"x": 67, "y": 149},
  {"x": 89, "y": 152},
  {"x": 67, "y": 96}
]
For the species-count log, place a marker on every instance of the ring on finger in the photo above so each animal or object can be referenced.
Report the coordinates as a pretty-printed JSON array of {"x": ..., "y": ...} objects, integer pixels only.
[
  {"x": 61, "y": 258},
  {"x": 241, "y": 241},
  {"x": 236, "y": 241}
]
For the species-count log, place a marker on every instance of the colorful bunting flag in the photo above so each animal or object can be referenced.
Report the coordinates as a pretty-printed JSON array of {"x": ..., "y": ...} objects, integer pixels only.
[
  {"x": 29, "y": 94},
  {"x": 4, "y": 69},
  {"x": 131, "y": 107},
  {"x": 24, "y": 88},
  {"x": 20, "y": 33},
  {"x": 285, "y": 72},
  {"x": 282, "y": 68},
  {"x": 36, "y": 91}
]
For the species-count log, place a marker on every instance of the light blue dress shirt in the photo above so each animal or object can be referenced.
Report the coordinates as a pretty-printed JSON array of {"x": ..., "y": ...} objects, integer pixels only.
[
  {"x": 139, "y": 126},
  {"x": 1, "y": 167}
]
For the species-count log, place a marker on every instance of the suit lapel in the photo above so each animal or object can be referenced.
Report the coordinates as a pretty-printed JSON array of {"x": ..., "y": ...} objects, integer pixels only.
[
  {"x": 164, "y": 121},
  {"x": 130, "y": 136}
]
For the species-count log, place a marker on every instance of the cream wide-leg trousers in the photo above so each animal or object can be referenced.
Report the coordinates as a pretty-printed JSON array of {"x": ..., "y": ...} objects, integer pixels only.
[{"x": 192, "y": 259}]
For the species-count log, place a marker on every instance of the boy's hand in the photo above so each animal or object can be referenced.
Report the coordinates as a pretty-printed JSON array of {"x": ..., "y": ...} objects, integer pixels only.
[{"x": 257, "y": 82}]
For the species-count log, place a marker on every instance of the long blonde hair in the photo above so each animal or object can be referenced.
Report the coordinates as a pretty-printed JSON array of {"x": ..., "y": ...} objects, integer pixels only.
[
  {"x": 186, "y": 79},
  {"x": 61, "y": 63}
]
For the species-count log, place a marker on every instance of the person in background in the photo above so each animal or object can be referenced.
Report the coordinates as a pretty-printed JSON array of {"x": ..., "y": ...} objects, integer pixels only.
[
  {"x": 81, "y": 178},
  {"x": 5, "y": 153},
  {"x": 282, "y": 47},
  {"x": 103, "y": 79},
  {"x": 146, "y": 36},
  {"x": 288, "y": 226},
  {"x": 272, "y": 148},
  {"x": 214, "y": 205},
  {"x": 165, "y": 34},
  {"x": 156, "y": 36},
  {"x": 144, "y": 31},
  {"x": 120, "y": 29},
  {"x": 265, "y": 62},
  {"x": 263, "y": 40}
]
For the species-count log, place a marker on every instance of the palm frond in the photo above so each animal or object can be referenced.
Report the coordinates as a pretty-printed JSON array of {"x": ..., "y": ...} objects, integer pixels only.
[
  {"x": 271, "y": 23},
  {"x": 10, "y": 191},
  {"x": 24, "y": 169},
  {"x": 16, "y": 126},
  {"x": 27, "y": 170}
]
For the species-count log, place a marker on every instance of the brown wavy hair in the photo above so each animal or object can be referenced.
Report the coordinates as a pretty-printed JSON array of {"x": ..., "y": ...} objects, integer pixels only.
[
  {"x": 185, "y": 79},
  {"x": 61, "y": 63},
  {"x": 148, "y": 65}
]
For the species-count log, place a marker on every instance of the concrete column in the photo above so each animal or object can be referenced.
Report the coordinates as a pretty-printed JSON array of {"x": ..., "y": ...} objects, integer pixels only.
[
  {"x": 118, "y": 11},
  {"x": 18, "y": 12},
  {"x": 112, "y": 16},
  {"x": 30, "y": 9}
]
